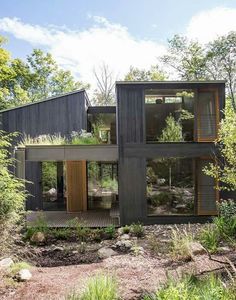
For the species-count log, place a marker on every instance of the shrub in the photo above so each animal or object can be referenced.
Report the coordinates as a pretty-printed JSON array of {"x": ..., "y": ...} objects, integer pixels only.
[
  {"x": 126, "y": 229},
  {"x": 210, "y": 238},
  {"x": 227, "y": 208},
  {"x": 226, "y": 226},
  {"x": 62, "y": 233},
  {"x": 209, "y": 288},
  {"x": 110, "y": 184},
  {"x": 40, "y": 225},
  {"x": 110, "y": 231},
  {"x": 101, "y": 287},
  {"x": 180, "y": 244},
  {"x": 137, "y": 229},
  {"x": 161, "y": 198}
]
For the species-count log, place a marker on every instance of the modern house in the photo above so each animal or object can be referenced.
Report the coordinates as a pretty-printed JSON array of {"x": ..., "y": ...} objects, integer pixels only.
[{"x": 148, "y": 165}]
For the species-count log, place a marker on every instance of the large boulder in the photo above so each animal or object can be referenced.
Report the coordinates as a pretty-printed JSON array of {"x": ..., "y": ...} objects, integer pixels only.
[
  {"x": 106, "y": 252},
  {"x": 24, "y": 275},
  {"x": 6, "y": 263},
  {"x": 38, "y": 237}
]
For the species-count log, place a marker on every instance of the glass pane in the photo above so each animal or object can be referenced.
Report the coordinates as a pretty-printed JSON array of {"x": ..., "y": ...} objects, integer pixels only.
[
  {"x": 170, "y": 186},
  {"x": 207, "y": 115},
  {"x": 102, "y": 185},
  {"x": 53, "y": 186},
  {"x": 169, "y": 116}
]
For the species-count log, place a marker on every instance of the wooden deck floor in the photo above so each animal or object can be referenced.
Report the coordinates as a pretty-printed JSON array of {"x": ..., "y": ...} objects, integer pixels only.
[{"x": 62, "y": 218}]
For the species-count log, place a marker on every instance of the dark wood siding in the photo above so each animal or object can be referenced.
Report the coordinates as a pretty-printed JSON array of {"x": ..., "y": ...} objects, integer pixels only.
[
  {"x": 133, "y": 150},
  {"x": 59, "y": 115}
]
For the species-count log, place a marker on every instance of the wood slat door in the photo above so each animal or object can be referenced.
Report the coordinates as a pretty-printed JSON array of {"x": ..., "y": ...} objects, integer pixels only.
[{"x": 76, "y": 182}]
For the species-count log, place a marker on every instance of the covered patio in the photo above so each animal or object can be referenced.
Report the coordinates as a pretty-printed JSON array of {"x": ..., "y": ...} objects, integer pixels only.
[{"x": 63, "y": 219}]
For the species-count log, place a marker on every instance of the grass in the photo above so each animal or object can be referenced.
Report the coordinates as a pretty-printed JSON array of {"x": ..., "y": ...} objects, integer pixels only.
[
  {"x": 191, "y": 288},
  {"x": 137, "y": 229},
  {"x": 100, "y": 287},
  {"x": 180, "y": 244},
  {"x": 16, "y": 267},
  {"x": 40, "y": 225},
  {"x": 210, "y": 238}
]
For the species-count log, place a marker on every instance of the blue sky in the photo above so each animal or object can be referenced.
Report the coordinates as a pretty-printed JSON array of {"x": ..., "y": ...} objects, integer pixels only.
[{"x": 83, "y": 34}]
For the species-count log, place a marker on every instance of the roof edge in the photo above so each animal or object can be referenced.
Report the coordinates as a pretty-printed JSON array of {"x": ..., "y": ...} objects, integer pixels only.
[
  {"x": 44, "y": 100},
  {"x": 170, "y": 82}
]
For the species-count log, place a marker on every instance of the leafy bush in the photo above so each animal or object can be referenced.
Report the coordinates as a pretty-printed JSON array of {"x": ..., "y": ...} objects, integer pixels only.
[
  {"x": 12, "y": 189},
  {"x": 191, "y": 288},
  {"x": 210, "y": 238},
  {"x": 226, "y": 226},
  {"x": 126, "y": 229},
  {"x": 110, "y": 231},
  {"x": 180, "y": 244},
  {"x": 160, "y": 199},
  {"x": 62, "y": 233},
  {"x": 110, "y": 184},
  {"x": 227, "y": 208},
  {"x": 137, "y": 229},
  {"x": 49, "y": 175},
  {"x": 40, "y": 225}
]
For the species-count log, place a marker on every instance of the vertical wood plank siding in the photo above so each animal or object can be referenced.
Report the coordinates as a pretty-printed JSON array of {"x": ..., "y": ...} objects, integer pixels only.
[
  {"x": 57, "y": 115},
  {"x": 133, "y": 150}
]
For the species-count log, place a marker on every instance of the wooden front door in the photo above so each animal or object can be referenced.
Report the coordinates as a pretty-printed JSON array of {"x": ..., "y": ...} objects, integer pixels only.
[{"x": 76, "y": 183}]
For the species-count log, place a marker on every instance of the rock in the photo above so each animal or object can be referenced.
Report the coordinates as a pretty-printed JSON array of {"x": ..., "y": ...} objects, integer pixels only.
[
  {"x": 75, "y": 252},
  {"x": 6, "y": 263},
  {"x": 125, "y": 237},
  {"x": 224, "y": 249},
  {"x": 125, "y": 244},
  {"x": 52, "y": 192},
  {"x": 120, "y": 231},
  {"x": 196, "y": 248},
  {"x": 57, "y": 248},
  {"x": 106, "y": 252},
  {"x": 24, "y": 275},
  {"x": 38, "y": 237}
]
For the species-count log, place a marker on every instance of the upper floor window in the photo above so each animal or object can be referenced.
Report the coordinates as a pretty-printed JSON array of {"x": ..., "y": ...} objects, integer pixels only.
[{"x": 169, "y": 115}]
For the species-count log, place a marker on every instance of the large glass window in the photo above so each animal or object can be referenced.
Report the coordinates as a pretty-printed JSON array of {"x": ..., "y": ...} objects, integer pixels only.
[
  {"x": 53, "y": 186},
  {"x": 169, "y": 115},
  {"x": 102, "y": 185},
  {"x": 103, "y": 126},
  {"x": 170, "y": 186}
]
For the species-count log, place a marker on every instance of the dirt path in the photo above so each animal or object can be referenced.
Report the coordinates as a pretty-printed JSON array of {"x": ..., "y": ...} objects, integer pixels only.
[{"x": 136, "y": 275}]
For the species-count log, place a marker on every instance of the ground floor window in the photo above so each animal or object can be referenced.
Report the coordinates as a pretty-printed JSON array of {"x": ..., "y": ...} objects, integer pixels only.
[
  {"x": 102, "y": 185},
  {"x": 53, "y": 186},
  {"x": 170, "y": 186}
]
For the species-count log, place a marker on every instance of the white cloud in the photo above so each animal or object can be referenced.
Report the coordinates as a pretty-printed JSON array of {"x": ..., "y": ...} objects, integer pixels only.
[
  {"x": 82, "y": 50},
  {"x": 207, "y": 25}
]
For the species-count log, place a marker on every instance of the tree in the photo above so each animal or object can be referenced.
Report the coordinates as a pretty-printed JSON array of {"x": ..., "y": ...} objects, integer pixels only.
[
  {"x": 136, "y": 74},
  {"x": 37, "y": 78},
  {"x": 224, "y": 169},
  {"x": 104, "y": 93},
  {"x": 221, "y": 62},
  {"x": 171, "y": 133},
  {"x": 187, "y": 58}
]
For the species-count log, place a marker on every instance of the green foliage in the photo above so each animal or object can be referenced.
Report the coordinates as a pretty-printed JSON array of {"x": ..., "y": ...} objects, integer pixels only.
[
  {"x": 136, "y": 74},
  {"x": 110, "y": 184},
  {"x": 101, "y": 287},
  {"x": 226, "y": 226},
  {"x": 137, "y": 229},
  {"x": 12, "y": 189},
  {"x": 209, "y": 288},
  {"x": 61, "y": 233},
  {"x": 210, "y": 238},
  {"x": 110, "y": 231},
  {"x": 227, "y": 208},
  {"x": 160, "y": 199},
  {"x": 180, "y": 244},
  {"x": 172, "y": 132},
  {"x": 126, "y": 229},
  {"x": 49, "y": 175},
  {"x": 40, "y": 225},
  {"x": 38, "y": 78},
  {"x": 225, "y": 170}
]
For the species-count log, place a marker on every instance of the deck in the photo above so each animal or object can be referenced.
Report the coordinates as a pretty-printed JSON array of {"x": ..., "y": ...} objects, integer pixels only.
[{"x": 62, "y": 218}]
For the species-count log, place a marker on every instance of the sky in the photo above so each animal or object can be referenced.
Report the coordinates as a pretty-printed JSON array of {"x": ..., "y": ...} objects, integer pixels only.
[{"x": 83, "y": 35}]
